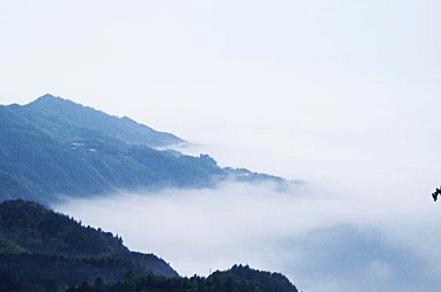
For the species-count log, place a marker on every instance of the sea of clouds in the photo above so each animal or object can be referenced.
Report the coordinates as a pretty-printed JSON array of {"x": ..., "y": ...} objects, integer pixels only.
[{"x": 362, "y": 220}]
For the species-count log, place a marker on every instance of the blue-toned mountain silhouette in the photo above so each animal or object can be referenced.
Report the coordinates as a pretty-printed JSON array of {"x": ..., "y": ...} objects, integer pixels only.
[{"x": 53, "y": 147}]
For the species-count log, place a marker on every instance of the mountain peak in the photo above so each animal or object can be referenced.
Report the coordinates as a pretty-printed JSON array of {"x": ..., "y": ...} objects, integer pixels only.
[
  {"x": 54, "y": 104},
  {"x": 46, "y": 99},
  {"x": 47, "y": 96}
]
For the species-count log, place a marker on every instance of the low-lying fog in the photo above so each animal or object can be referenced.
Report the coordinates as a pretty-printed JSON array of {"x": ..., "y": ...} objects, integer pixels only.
[{"x": 364, "y": 219}]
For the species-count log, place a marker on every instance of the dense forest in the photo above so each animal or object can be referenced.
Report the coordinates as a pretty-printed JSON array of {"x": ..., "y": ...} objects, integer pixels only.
[
  {"x": 237, "y": 279},
  {"x": 46, "y": 249}
]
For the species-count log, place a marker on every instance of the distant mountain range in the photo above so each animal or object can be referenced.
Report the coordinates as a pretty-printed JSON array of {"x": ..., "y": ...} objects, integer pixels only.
[
  {"x": 41, "y": 250},
  {"x": 53, "y": 147}
]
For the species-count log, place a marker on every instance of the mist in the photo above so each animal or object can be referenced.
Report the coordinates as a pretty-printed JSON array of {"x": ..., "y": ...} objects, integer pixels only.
[{"x": 362, "y": 218}]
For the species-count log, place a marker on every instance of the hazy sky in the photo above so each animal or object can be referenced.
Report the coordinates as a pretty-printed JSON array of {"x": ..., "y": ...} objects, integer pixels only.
[
  {"x": 176, "y": 64},
  {"x": 343, "y": 94}
]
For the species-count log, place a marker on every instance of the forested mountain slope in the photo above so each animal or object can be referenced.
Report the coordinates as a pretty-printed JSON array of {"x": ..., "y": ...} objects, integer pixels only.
[
  {"x": 39, "y": 244},
  {"x": 54, "y": 147}
]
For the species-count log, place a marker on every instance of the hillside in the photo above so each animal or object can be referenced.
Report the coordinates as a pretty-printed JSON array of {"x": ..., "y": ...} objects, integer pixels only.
[
  {"x": 41, "y": 250},
  {"x": 53, "y": 147},
  {"x": 38, "y": 243}
]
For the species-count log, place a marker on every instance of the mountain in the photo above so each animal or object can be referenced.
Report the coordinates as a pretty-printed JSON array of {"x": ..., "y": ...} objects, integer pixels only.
[
  {"x": 68, "y": 121},
  {"x": 37, "y": 244},
  {"x": 53, "y": 148}
]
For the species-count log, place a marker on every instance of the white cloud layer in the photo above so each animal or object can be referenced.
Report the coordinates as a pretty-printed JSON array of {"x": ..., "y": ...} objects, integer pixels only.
[{"x": 318, "y": 239}]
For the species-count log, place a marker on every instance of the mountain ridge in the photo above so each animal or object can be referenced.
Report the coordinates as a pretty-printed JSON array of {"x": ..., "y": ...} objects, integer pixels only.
[
  {"x": 122, "y": 128},
  {"x": 53, "y": 148}
]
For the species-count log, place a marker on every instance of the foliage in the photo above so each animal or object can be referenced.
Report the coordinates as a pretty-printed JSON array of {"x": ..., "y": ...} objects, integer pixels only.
[
  {"x": 47, "y": 249},
  {"x": 40, "y": 230},
  {"x": 9, "y": 247},
  {"x": 237, "y": 279}
]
